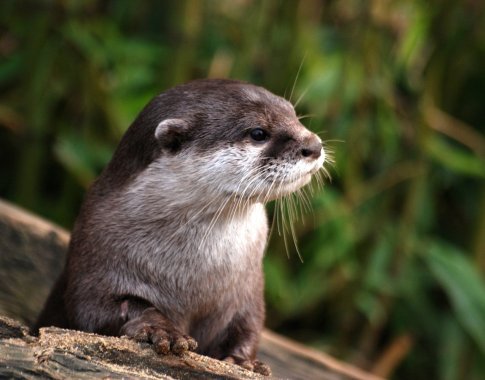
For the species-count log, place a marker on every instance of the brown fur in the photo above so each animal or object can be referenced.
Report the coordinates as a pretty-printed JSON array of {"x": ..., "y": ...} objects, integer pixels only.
[{"x": 169, "y": 242}]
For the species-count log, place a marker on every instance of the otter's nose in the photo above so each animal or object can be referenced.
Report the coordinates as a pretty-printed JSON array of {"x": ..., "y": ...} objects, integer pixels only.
[{"x": 312, "y": 149}]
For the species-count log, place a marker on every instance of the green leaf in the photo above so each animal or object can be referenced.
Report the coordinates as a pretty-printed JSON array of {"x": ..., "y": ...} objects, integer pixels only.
[
  {"x": 453, "y": 341},
  {"x": 464, "y": 286},
  {"x": 455, "y": 158},
  {"x": 83, "y": 159}
]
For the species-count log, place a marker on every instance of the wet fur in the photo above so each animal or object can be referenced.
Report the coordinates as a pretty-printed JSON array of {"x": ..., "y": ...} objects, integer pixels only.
[{"x": 173, "y": 232}]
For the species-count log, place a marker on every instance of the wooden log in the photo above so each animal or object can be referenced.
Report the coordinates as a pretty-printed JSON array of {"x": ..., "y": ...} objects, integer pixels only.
[
  {"x": 32, "y": 254},
  {"x": 67, "y": 354}
]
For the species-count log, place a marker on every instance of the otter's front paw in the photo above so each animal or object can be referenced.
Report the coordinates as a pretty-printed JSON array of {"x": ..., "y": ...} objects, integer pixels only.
[
  {"x": 153, "y": 327},
  {"x": 251, "y": 365}
]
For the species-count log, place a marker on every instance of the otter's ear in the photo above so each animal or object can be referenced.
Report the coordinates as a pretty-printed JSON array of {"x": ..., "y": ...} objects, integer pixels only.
[{"x": 171, "y": 133}]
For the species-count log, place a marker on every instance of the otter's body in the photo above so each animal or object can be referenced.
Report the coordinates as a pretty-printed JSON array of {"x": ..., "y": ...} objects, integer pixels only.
[{"x": 169, "y": 242}]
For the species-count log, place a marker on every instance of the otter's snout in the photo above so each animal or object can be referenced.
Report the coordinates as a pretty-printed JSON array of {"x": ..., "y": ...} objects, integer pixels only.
[{"x": 312, "y": 148}]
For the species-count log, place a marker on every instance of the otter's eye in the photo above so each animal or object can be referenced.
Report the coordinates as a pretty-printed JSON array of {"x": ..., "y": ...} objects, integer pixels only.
[{"x": 258, "y": 134}]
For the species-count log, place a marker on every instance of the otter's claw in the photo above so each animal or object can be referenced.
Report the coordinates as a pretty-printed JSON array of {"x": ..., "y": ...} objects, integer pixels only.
[
  {"x": 151, "y": 326},
  {"x": 254, "y": 365}
]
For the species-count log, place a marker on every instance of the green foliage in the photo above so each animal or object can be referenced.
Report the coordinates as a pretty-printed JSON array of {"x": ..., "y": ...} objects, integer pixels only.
[
  {"x": 394, "y": 249},
  {"x": 463, "y": 285}
]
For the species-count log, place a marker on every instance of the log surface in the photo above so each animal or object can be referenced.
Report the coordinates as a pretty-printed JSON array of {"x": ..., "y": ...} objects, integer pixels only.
[{"x": 67, "y": 354}]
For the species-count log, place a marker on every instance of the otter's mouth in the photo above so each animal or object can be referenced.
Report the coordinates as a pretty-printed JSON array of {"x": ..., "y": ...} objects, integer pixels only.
[
  {"x": 288, "y": 185},
  {"x": 306, "y": 177},
  {"x": 279, "y": 184},
  {"x": 297, "y": 181}
]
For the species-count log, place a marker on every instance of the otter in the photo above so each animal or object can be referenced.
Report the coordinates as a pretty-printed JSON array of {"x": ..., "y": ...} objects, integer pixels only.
[{"x": 169, "y": 241}]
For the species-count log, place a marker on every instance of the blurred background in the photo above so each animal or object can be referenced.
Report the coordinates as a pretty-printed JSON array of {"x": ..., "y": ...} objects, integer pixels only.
[{"x": 392, "y": 277}]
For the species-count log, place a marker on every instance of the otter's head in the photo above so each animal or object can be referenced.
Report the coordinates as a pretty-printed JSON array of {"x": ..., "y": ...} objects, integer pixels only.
[{"x": 226, "y": 138}]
